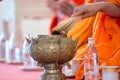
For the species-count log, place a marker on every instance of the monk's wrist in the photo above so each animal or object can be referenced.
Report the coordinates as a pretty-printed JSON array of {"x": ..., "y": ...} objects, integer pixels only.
[
  {"x": 102, "y": 6},
  {"x": 109, "y": 8}
]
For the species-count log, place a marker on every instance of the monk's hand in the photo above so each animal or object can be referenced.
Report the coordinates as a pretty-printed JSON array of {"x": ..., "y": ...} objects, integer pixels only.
[
  {"x": 65, "y": 7},
  {"x": 86, "y": 10}
]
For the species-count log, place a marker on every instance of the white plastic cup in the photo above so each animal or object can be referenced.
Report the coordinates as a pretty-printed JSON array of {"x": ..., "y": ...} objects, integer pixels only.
[
  {"x": 75, "y": 64},
  {"x": 110, "y": 73}
]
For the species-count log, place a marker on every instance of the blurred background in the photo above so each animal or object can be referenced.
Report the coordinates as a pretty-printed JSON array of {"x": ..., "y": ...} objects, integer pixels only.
[
  {"x": 18, "y": 19},
  {"x": 28, "y": 17}
]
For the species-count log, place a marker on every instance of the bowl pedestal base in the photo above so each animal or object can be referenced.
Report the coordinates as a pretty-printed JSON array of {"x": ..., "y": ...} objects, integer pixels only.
[{"x": 53, "y": 72}]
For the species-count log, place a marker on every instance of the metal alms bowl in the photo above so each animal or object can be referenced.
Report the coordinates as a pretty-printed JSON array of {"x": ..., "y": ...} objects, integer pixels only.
[{"x": 46, "y": 49}]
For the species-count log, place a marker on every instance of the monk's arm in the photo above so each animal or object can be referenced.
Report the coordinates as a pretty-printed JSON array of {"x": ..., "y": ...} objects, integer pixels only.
[
  {"x": 91, "y": 9},
  {"x": 110, "y": 9}
]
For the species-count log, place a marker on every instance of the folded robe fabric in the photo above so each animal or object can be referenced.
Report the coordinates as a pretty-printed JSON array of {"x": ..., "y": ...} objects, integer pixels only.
[
  {"x": 82, "y": 30},
  {"x": 107, "y": 38},
  {"x": 106, "y": 32}
]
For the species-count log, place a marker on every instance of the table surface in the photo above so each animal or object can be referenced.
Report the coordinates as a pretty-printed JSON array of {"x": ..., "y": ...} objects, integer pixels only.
[{"x": 14, "y": 72}]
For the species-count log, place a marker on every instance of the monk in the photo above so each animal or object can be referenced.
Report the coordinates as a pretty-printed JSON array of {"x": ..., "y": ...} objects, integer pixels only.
[
  {"x": 105, "y": 19},
  {"x": 80, "y": 32}
]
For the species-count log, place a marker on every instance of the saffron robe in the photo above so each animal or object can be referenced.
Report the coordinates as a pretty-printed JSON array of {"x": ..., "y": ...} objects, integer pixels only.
[
  {"x": 82, "y": 30},
  {"x": 106, "y": 32}
]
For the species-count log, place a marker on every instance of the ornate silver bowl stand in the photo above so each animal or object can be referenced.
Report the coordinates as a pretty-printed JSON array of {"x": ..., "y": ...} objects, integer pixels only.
[{"x": 52, "y": 52}]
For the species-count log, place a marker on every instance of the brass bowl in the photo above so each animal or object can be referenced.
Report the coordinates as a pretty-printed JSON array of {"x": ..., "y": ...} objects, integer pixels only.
[{"x": 47, "y": 49}]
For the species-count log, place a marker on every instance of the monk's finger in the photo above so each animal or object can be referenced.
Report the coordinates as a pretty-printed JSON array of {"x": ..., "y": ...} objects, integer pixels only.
[
  {"x": 78, "y": 11},
  {"x": 64, "y": 10},
  {"x": 85, "y": 15}
]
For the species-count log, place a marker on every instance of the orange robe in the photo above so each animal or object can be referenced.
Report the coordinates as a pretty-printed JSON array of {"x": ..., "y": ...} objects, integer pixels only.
[
  {"x": 82, "y": 30},
  {"x": 107, "y": 38},
  {"x": 78, "y": 2},
  {"x": 106, "y": 32}
]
